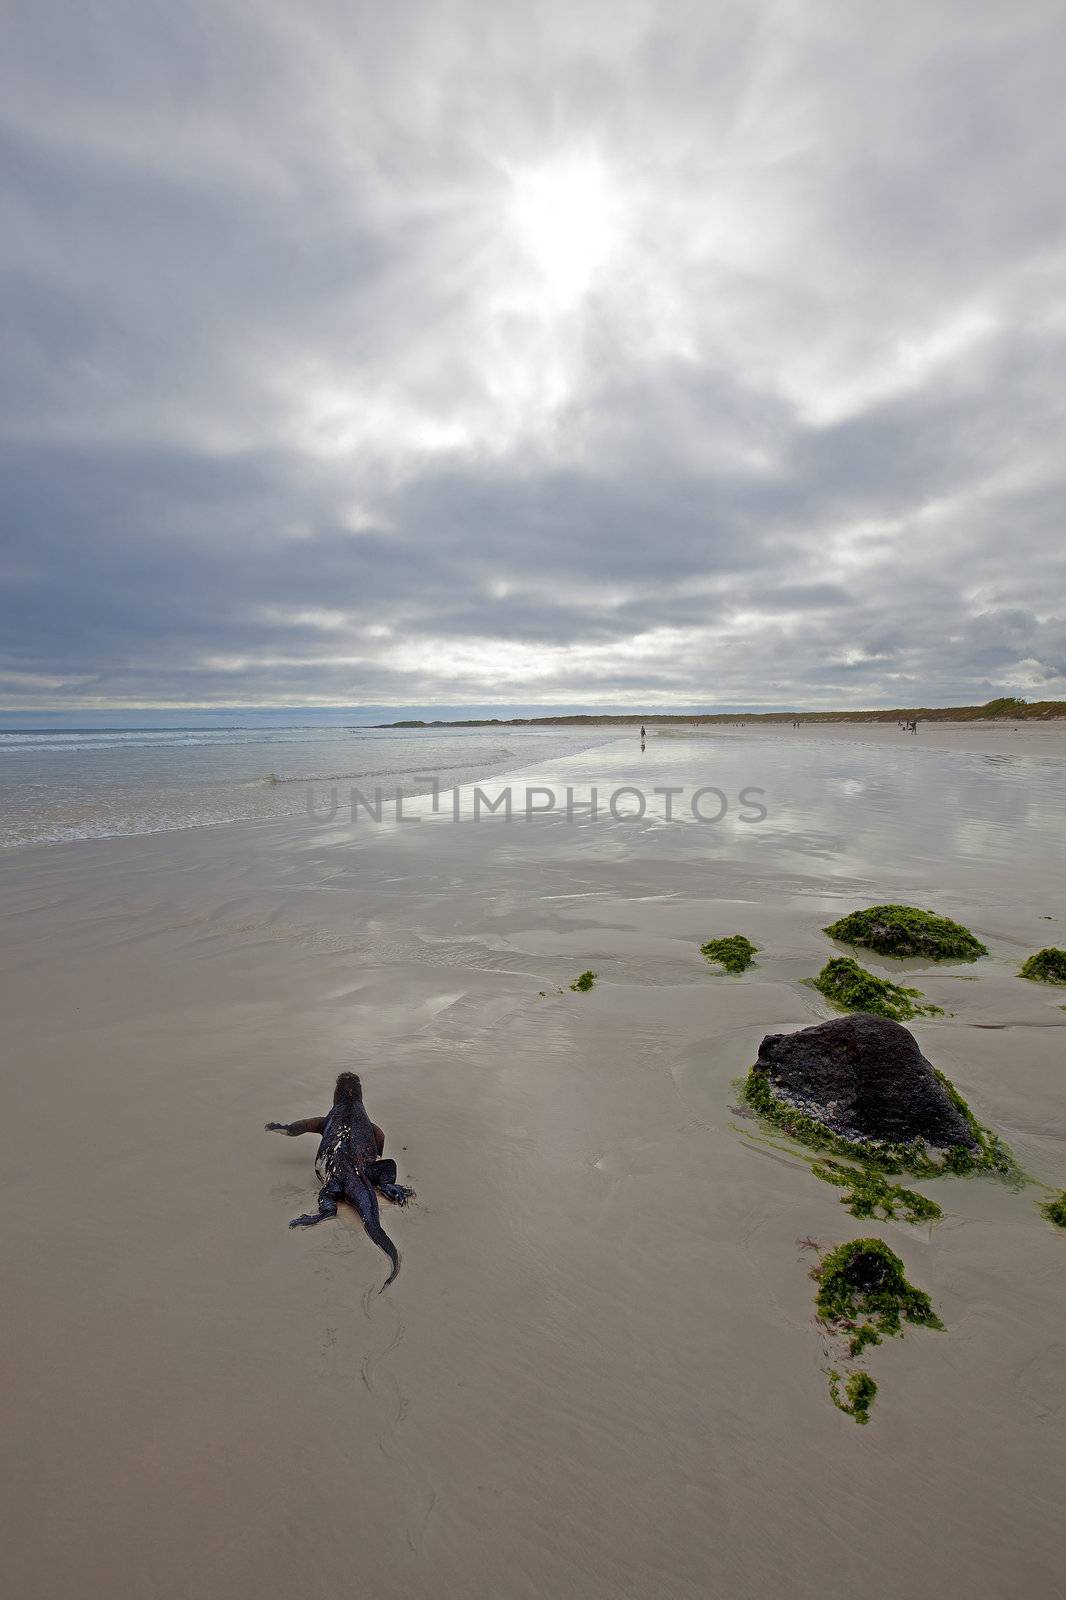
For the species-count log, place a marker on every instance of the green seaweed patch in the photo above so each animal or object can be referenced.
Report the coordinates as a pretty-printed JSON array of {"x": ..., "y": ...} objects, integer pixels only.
[
  {"x": 735, "y": 954},
  {"x": 584, "y": 983},
  {"x": 852, "y": 988},
  {"x": 859, "y": 1392},
  {"x": 903, "y": 931},
  {"x": 989, "y": 1154},
  {"x": 871, "y": 1195},
  {"x": 863, "y": 1293},
  {"x": 1047, "y": 966},
  {"x": 1055, "y": 1209}
]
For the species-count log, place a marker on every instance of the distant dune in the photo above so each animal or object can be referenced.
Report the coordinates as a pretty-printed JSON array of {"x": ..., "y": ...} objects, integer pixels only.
[{"x": 1005, "y": 709}]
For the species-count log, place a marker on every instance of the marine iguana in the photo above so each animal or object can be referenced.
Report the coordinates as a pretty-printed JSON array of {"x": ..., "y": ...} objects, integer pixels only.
[{"x": 349, "y": 1164}]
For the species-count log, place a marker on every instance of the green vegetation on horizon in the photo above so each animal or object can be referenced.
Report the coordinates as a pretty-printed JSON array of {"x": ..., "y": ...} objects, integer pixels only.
[
  {"x": 902, "y": 931},
  {"x": 735, "y": 954},
  {"x": 852, "y": 988},
  {"x": 1047, "y": 966},
  {"x": 583, "y": 984},
  {"x": 1055, "y": 1209},
  {"x": 863, "y": 1292},
  {"x": 1009, "y": 706}
]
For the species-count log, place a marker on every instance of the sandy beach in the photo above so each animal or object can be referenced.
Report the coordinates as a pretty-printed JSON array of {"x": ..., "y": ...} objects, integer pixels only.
[{"x": 598, "y": 1373}]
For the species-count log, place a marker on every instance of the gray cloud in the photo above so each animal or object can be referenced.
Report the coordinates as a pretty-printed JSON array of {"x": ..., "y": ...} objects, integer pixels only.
[{"x": 555, "y": 354}]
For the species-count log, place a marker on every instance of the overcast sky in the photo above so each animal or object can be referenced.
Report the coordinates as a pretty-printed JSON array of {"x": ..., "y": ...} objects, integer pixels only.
[{"x": 604, "y": 353}]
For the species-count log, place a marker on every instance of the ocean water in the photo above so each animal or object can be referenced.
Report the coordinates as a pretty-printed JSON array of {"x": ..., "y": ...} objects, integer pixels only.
[{"x": 58, "y": 785}]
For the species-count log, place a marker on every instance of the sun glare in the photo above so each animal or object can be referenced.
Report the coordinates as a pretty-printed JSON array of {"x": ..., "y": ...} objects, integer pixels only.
[{"x": 566, "y": 219}]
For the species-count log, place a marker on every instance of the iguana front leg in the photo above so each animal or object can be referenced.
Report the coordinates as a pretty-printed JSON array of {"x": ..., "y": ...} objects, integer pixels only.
[{"x": 308, "y": 1125}]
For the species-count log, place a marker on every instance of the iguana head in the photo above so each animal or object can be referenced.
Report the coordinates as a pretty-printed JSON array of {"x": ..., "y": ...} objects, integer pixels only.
[{"x": 348, "y": 1088}]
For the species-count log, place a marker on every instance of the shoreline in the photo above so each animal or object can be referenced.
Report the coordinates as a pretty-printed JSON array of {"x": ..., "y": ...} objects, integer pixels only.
[
  {"x": 474, "y": 772},
  {"x": 1030, "y": 739}
]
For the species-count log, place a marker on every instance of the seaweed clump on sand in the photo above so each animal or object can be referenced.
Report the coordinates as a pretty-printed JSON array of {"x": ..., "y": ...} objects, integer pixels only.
[
  {"x": 1047, "y": 966},
  {"x": 852, "y": 988},
  {"x": 871, "y": 1195},
  {"x": 1055, "y": 1209},
  {"x": 583, "y": 984},
  {"x": 859, "y": 1392},
  {"x": 735, "y": 954},
  {"x": 905, "y": 931},
  {"x": 863, "y": 1293}
]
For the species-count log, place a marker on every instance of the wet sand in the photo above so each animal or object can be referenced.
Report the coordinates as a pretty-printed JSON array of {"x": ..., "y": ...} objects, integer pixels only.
[
  {"x": 998, "y": 735},
  {"x": 598, "y": 1373}
]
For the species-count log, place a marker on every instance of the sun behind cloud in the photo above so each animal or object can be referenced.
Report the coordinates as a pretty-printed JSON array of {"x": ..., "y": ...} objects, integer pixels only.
[{"x": 567, "y": 218}]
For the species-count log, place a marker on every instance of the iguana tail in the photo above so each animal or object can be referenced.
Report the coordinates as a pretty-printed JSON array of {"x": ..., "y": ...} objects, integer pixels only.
[{"x": 365, "y": 1202}]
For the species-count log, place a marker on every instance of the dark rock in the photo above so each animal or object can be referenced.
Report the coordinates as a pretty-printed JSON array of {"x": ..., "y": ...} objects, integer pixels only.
[{"x": 864, "y": 1077}]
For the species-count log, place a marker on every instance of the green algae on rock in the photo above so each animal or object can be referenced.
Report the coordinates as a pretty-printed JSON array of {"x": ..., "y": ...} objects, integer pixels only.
[
  {"x": 871, "y": 1195},
  {"x": 735, "y": 954},
  {"x": 852, "y": 988},
  {"x": 859, "y": 1391},
  {"x": 889, "y": 1157},
  {"x": 991, "y": 1154},
  {"x": 584, "y": 983},
  {"x": 863, "y": 1293},
  {"x": 902, "y": 931},
  {"x": 1047, "y": 966},
  {"x": 859, "y": 1087},
  {"x": 1055, "y": 1209}
]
